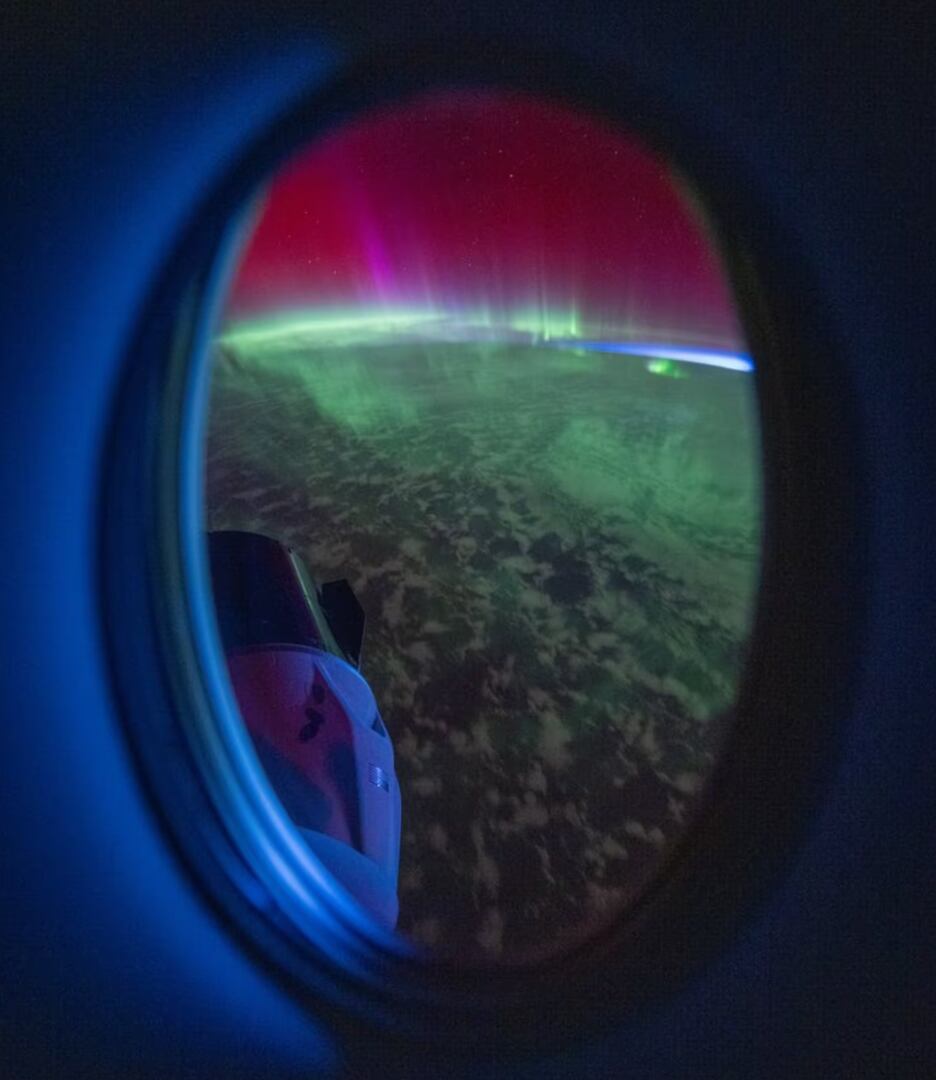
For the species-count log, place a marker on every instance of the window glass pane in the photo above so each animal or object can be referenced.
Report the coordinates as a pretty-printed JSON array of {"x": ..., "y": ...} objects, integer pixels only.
[{"x": 481, "y": 385}]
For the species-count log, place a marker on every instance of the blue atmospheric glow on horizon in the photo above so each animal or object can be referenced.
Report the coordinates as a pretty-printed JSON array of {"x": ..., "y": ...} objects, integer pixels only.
[{"x": 689, "y": 354}]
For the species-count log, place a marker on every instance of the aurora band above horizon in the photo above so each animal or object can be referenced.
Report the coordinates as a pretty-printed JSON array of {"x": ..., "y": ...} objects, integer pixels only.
[
  {"x": 481, "y": 214},
  {"x": 392, "y": 327}
]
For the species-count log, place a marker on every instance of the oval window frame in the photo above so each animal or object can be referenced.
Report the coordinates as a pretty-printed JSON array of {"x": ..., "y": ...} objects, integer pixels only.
[{"x": 768, "y": 779}]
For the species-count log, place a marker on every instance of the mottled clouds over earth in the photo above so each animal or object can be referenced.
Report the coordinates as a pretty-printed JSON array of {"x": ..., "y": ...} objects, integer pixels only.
[{"x": 558, "y": 592}]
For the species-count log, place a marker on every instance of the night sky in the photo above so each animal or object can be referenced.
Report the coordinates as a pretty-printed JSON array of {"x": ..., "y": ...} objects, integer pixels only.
[{"x": 469, "y": 202}]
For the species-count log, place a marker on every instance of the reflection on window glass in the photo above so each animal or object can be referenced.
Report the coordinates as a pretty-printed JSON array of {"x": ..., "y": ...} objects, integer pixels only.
[{"x": 484, "y": 510}]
